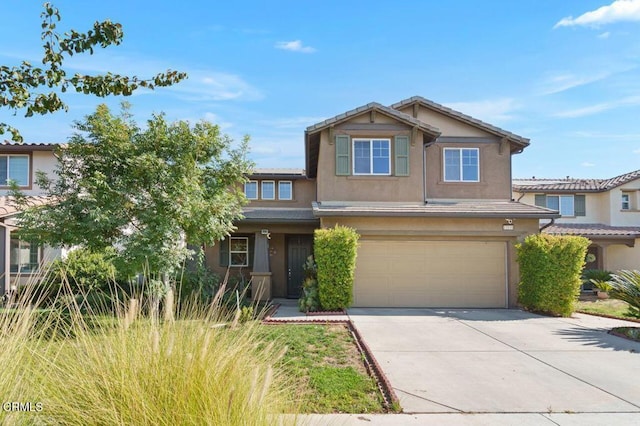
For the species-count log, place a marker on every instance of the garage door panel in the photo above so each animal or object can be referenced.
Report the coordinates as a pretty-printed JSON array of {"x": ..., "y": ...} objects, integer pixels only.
[{"x": 430, "y": 274}]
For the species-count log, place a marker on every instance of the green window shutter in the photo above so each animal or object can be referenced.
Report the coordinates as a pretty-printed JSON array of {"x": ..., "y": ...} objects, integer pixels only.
[
  {"x": 541, "y": 200},
  {"x": 402, "y": 155},
  {"x": 580, "y": 205},
  {"x": 252, "y": 244},
  {"x": 343, "y": 157},
  {"x": 224, "y": 252}
]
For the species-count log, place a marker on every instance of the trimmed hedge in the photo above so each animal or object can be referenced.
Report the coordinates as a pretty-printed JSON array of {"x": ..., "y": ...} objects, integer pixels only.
[
  {"x": 335, "y": 253},
  {"x": 550, "y": 268}
]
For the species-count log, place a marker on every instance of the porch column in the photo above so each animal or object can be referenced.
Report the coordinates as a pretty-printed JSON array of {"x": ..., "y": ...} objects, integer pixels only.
[
  {"x": 5, "y": 247},
  {"x": 261, "y": 275}
]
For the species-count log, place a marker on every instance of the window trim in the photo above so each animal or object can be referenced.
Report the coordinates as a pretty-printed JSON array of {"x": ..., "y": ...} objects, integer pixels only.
[
  {"x": 290, "y": 190},
  {"x": 627, "y": 202},
  {"x": 245, "y": 189},
  {"x": 34, "y": 270},
  {"x": 262, "y": 197},
  {"x": 560, "y": 197},
  {"x": 462, "y": 179},
  {"x": 27, "y": 185},
  {"x": 232, "y": 252},
  {"x": 370, "y": 140}
]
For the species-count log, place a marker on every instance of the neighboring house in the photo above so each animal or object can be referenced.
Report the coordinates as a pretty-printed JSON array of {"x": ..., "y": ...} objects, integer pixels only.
[
  {"x": 19, "y": 260},
  {"x": 607, "y": 211},
  {"x": 427, "y": 188}
]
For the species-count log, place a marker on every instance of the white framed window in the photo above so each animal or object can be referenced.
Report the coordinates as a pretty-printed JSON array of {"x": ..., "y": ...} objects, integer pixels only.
[
  {"x": 268, "y": 190},
  {"x": 285, "y": 190},
  {"x": 238, "y": 251},
  {"x": 626, "y": 202},
  {"x": 251, "y": 190},
  {"x": 461, "y": 164},
  {"x": 371, "y": 157},
  {"x": 24, "y": 257},
  {"x": 563, "y": 203},
  {"x": 14, "y": 168}
]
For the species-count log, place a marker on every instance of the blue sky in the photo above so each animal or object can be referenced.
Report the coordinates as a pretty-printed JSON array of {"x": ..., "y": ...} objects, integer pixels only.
[{"x": 565, "y": 74}]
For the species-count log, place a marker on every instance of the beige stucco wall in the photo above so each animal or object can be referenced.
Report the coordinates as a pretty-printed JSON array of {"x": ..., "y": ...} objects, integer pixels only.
[
  {"x": 446, "y": 229},
  {"x": 618, "y": 257},
  {"x": 621, "y": 217},
  {"x": 447, "y": 125},
  {"x": 495, "y": 172},
  {"x": 369, "y": 188},
  {"x": 304, "y": 192},
  {"x": 596, "y": 204},
  {"x": 40, "y": 160}
]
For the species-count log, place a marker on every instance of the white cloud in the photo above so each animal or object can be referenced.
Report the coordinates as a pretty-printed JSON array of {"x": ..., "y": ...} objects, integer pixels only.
[
  {"x": 298, "y": 123},
  {"x": 587, "y": 164},
  {"x": 619, "y": 10},
  {"x": 557, "y": 83},
  {"x": 490, "y": 110},
  {"x": 594, "y": 109},
  {"x": 215, "y": 86},
  {"x": 294, "y": 46},
  {"x": 636, "y": 151},
  {"x": 604, "y": 35}
]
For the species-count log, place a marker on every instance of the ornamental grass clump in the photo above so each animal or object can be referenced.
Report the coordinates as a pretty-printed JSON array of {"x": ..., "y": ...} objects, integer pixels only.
[{"x": 204, "y": 367}]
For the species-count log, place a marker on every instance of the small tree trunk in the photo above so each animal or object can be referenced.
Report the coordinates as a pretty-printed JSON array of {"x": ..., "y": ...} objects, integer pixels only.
[{"x": 168, "y": 299}]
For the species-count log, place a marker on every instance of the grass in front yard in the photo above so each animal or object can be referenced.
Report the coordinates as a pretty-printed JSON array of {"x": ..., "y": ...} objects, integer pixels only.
[
  {"x": 329, "y": 370},
  {"x": 610, "y": 307}
]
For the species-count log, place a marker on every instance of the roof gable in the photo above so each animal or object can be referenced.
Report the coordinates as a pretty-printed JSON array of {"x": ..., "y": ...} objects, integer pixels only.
[
  {"x": 519, "y": 141},
  {"x": 574, "y": 184}
]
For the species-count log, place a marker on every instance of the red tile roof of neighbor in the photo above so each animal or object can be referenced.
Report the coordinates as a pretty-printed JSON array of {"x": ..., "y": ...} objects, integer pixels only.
[
  {"x": 8, "y": 208},
  {"x": 593, "y": 230},
  {"x": 573, "y": 184}
]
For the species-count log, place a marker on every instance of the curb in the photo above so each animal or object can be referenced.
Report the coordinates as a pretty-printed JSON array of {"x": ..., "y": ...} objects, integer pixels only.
[{"x": 608, "y": 316}]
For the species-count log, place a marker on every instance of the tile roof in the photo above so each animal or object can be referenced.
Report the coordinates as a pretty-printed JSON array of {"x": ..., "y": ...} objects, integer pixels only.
[
  {"x": 29, "y": 146},
  {"x": 462, "y": 117},
  {"x": 573, "y": 184},
  {"x": 8, "y": 208},
  {"x": 401, "y": 116},
  {"x": 278, "y": 215},
  {"x": 593, "y": 230},
  {"x": 467, "y": 208}
]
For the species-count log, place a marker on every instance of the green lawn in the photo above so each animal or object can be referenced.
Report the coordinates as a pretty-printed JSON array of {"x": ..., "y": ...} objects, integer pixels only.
[
  {"x": 327, "y": 367},
  {"x": 610, "y": 307}
]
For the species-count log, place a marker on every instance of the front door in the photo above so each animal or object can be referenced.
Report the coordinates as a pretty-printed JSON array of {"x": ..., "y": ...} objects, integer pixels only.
[{"x": 299, "y": 247}]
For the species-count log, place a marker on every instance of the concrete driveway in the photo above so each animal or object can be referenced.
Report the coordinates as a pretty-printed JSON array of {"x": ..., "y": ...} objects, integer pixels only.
[{"x": 502, "y": 361}]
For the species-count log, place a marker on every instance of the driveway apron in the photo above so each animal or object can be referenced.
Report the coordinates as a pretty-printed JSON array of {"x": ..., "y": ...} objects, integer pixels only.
[{"x": 502, "y": 361}]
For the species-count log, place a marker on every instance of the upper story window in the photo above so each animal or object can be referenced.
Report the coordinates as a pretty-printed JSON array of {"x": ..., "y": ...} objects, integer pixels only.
[
  {"x": 461, "y": 164},
  {"x": 285, "y": 190},
  {"x": 371, "y": 156},
  {"x": 567, "y": 205},
  {"x": 251, "y": 190},
  {"x": 626, "y": 202},
  {"x": 14, "y": 168},
  {"x": 563, "y": 203},
  {"x": 268, "y": 190}
]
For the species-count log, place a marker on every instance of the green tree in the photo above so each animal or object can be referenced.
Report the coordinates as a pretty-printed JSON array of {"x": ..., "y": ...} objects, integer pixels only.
[
  {"x": 20, "y": 85},
  {"x": 143, "y": 191}
]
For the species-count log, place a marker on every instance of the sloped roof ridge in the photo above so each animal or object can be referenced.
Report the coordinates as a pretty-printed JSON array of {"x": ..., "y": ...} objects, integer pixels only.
[
  {"x": 620, "y": 180},
  {"x": 461, "y": 116},
  {"x": 373, "y": 105}
]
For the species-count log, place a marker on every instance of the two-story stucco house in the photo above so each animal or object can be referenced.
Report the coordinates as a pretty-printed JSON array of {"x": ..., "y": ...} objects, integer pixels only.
[
  {"x": 19, "y": 260},
  {"x": 607, "y": 211},
  {"x": 427, "y": 188}
]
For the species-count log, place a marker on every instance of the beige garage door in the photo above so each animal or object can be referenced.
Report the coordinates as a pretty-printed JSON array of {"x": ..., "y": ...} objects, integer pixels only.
[{"x": 461, "y": 274}]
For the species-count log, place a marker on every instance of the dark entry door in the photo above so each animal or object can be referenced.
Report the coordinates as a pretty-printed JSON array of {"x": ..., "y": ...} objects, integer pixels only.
[{"x": 299, "y": 247}]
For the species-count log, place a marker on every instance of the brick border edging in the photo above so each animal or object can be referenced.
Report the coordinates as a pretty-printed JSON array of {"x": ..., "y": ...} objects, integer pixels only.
[
  {"x": 370, "y": 363},
  {"x": 607, "y": 316}
]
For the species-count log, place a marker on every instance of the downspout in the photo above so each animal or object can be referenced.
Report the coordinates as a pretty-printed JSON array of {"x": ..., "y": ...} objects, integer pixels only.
[
  {"x": 424, "y": 173},
  {"x": 553, "y": 220},
  {"x": 5, "y": 281}
]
